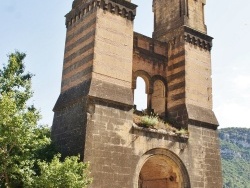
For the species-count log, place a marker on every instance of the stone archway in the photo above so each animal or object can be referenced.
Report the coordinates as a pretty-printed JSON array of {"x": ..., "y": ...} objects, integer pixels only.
[
  {"x": 160, "y": 172},
  {"x": 161, "y": 168}
]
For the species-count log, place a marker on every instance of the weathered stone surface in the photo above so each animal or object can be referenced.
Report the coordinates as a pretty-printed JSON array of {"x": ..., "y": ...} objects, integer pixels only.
[{"x": 93, "y": 114}]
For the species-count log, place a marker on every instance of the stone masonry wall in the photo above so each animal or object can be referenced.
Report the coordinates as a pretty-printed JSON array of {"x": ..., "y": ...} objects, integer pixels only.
[
  {"x": 108, "y": 146},
  {"x": 69, "y": 128},
  {"x": 149, "y": 63},
  {"x": 198, "y": 76},
  {"x": 112, "y": 64},
  {"x": 113, "y": 49},
  {"x": 79, "y": 49},
  {"x": 200, "y": 153},
  {"x": 149, "y": 55},
  {"x": 176, "y": 73},
  {"x": 114, "y": 147},
  {"x": 196, "y": 15},
  {"x": 204, "y": 164},
  {"x": 168, "y": 16},
  {"x": 159, "y": 98}
]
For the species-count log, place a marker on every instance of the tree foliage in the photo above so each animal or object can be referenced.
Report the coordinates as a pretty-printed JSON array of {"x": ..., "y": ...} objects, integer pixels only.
[
  {"x": 26, "y": 153},
  {"x": 56, "y": 174},
  {"x": 18, "y": 123}
]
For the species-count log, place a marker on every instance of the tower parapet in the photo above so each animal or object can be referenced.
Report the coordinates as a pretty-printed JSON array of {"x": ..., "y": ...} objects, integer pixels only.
[{"x": 170, "y": 15}]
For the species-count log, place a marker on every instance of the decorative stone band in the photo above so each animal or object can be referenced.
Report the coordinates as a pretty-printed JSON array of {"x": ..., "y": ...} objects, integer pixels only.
[
  {"x": 197, "y": 38},
  {"x": 118, "y": 7}
]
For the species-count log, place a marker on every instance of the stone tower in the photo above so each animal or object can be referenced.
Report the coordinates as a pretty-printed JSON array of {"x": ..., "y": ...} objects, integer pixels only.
[{"x": 94, "y": 112}]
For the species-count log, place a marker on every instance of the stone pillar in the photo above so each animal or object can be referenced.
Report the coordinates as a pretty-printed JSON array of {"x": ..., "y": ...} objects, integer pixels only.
[
  {"x": 149, "y": 102},
  {"x": 170, "y": 15},
  {"x": 96, "y": 98},
  {"x": 181, "y": 24}
]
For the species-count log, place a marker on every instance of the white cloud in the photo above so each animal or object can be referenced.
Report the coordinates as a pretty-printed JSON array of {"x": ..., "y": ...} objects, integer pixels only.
[
  {"x": 233, "y": 115},
  {"x": 242, "y": 82}
]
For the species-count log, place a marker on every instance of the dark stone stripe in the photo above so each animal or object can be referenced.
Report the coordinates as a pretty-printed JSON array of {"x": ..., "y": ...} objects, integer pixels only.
[
  {"x": 181, "y": 53},
  {"x": 176, "y": 86},
  {"x": 176, "y": 65},
  {"x": 77, "y": 76},
  {"x": 83, "y": 18},
  {"x": 79, "y": 63},
  {"x": 79, "y": 52},
  {"x": 176, "y": 109},
  {"x": 72, "y": 95},
  {"x": 161, "y": 32},
  {"x": 176, "y": 46},
  {"x": 202, "y": 124},
  {"x": 111, "y": 92},
  {"x": 178, "y": 96},
  {"x": 178, "y": 115},
  {"x": 176, "y": 76},
  {"x": 149, "y": 54},
  {"x": 81, "y": 29},
  {"x": 109, "y": 103},
  {"x": 80, "y": 41}
]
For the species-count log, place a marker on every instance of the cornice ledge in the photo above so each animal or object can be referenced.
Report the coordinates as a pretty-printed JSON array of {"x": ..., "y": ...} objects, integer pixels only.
[
  {"x": 118, "y": 7},
  {"x": 197, "y": 38}
]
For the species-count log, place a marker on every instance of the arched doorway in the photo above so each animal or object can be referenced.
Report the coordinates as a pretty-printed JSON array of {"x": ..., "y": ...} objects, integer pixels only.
[
  {"x": 160, "y": 172},
  {"x": 161, "y": 168}
]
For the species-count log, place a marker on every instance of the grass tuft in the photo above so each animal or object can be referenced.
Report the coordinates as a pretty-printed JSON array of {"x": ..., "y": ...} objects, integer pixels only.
[{"x": 154, "y": 122}]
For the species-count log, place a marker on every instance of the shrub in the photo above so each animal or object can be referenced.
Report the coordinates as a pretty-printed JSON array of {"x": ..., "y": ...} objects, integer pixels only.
[{"x": 149, "y": 121}]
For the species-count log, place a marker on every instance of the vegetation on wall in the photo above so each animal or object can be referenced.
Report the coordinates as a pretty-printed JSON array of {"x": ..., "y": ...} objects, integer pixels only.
[{"x": 153, "y": 121}]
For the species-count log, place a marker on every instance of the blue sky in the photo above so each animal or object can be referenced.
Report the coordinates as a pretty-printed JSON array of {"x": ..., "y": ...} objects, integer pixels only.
[{"x": 37, "y": 28}]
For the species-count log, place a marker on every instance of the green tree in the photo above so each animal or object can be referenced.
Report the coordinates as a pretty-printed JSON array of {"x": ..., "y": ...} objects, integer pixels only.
[
  {"x": 56, "y": 174},
  {"x": 26, "y": 153},
  {"x": 17, "y": 123}
]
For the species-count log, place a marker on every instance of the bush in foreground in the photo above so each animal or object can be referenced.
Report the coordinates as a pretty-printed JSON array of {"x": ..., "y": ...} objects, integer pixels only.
[{"x": 27, "y": 157}]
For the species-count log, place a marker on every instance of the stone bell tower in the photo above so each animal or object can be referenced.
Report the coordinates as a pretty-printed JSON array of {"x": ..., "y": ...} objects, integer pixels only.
[
  {"x": 181, "y": 24},
  {"x": 97, "y": 66},
  {"x": 96, "y": 100},
  {"x": 93, "y": 115}
]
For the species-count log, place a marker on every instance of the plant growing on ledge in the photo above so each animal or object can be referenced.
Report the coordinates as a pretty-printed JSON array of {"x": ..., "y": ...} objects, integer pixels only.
[
  {"x": 182, "y": 132},
  {"x": 149, "y": 121},
  {"x": 153, "y": 121}
]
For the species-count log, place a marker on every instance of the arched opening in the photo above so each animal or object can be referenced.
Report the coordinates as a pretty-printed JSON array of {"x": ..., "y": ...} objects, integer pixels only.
[
  {"x": 140, "y": 95},
  {"x": 159, "y": 171},
  {"x": 158, "y": 98},
  {"x": 161, "y": 168}
]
